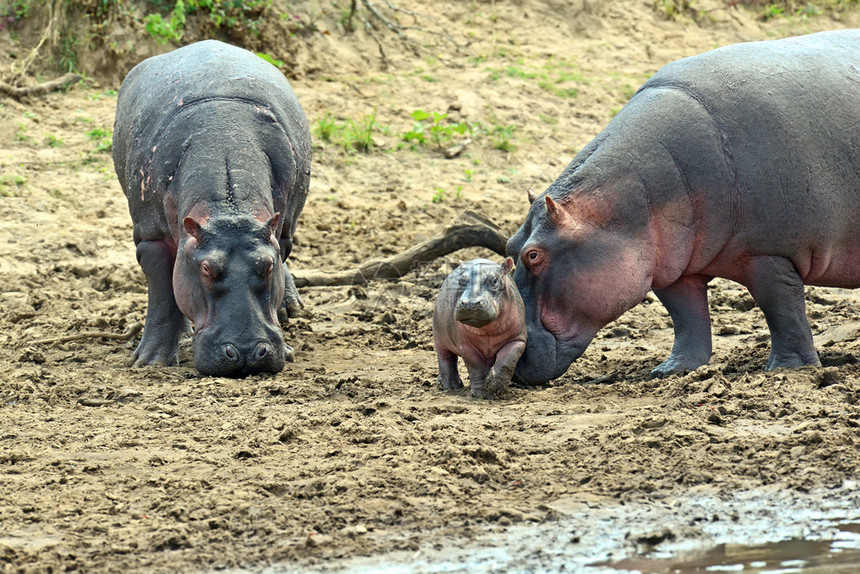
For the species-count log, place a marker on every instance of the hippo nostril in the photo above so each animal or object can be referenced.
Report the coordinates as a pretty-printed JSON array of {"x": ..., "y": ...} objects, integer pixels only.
[
  {"x": 262, "y": 351},
  {"x": 231, "y": 352}
]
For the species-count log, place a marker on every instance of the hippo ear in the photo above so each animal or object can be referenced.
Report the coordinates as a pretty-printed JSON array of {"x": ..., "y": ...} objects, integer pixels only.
[
  {"x": 532, "y": 196},
  {"x": 192, "y": 228},
  {"x": 555, "y": 211},
  {"x": 508, "y": 265},
  {"x": 272, "y": 224}
]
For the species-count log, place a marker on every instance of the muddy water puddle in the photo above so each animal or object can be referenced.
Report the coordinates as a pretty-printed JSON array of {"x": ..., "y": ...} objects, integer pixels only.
[{"x": 751, "y": 531}]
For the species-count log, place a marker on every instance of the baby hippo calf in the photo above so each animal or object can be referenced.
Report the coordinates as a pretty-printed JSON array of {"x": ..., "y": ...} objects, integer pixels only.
[{"x": 479, "y": 316}]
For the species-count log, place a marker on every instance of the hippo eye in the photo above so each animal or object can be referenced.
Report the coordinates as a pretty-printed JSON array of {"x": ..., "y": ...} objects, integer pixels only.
[
  {"x": 532, "y": 258},
  {"x": 208, "y": 270},
  {"x": 464, "y": 279},
  {"x": 266, "y": 268},
  {"x": 494, "y": 281}
]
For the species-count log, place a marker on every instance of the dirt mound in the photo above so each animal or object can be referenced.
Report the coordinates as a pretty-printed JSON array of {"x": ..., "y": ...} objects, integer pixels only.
[{"x": 352, "y": 450}]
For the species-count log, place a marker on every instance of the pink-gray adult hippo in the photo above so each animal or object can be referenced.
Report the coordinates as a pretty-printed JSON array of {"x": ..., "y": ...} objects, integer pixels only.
[
  {"x": 743, "y": 163},
  {"x": 213, "y": 152}
]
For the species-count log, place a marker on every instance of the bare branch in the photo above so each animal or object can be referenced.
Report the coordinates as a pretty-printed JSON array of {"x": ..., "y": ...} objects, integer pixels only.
[
  {"x": 470, "y": 229},
  {"x": 43, "y": 88}
]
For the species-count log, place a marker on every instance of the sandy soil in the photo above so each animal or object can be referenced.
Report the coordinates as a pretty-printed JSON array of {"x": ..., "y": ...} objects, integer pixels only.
[{"x": 352, "y": 450}]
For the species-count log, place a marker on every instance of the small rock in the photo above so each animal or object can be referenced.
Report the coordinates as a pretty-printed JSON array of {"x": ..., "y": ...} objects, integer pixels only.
[
  {"x": 93, "y": 402},
  {"x": 124, "y": 395},
  {"x": 827, "y": 376},
  {"x": 316, "y": 539},
  {"x": 729, "y": 330}
]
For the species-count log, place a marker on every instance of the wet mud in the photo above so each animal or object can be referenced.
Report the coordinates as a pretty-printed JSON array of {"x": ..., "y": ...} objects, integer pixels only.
[{"x": 352, "y": 451}]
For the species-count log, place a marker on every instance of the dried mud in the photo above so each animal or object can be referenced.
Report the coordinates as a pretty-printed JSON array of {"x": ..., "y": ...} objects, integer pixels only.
[{"x": 352, "y": 450}]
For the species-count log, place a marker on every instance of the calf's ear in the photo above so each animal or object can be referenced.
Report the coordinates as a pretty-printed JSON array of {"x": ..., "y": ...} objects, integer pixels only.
[
  {"x": 532, "y": 196},
  {"x": 508, "y": 265},
  {"x": 192, "y": 228}
]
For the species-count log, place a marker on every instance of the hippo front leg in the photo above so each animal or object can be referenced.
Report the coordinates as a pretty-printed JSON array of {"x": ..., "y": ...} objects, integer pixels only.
[
  {"x": 292, "y": 304},
  {"x": 686, "y": 300},
  {"x": 478, "y": 373},
  {"x": 503, "y": 369},
  {"x": 777, "y": 288},
  {"x": 165, "y": 323}
]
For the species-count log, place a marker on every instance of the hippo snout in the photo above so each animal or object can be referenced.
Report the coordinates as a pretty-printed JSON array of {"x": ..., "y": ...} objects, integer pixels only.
[
  {"x": 230, "y": 360},
  {"x": 475, "y": 312}
]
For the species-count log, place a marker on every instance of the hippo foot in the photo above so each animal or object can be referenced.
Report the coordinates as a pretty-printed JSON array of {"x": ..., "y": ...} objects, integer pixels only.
[
  {"x": 479, "y": 393},
  {"x": 792, "y": 361},
  {"x": 289, "y": 311},
  {"x": 452, "y": 384},
  {"x": 675, "y": 366},
  {"x": 497, "y": 386},
  {"x": 141, "y": 359}
]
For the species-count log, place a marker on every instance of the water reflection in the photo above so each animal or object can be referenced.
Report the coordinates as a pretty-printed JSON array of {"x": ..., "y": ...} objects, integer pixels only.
[{"x": 840, "y": 555}]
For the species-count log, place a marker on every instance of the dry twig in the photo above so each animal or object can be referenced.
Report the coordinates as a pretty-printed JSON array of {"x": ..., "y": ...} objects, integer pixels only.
[
  {"x": 132, "y": 330},
  {"x": 470, "y": 229}
]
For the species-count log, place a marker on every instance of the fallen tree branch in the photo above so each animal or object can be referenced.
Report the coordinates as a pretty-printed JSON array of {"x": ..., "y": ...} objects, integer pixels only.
[
  {"x": 132, "y": 330},
  {"x": 39, "y": 89},
  {"x": 470, "y": 229}
]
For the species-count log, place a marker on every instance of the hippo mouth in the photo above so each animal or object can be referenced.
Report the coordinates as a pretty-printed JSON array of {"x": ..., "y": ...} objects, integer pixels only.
[
  {"x": 226, "y": 354},
  {"x": 476, "y": 322},
  {"x": 231, "y": 360}
]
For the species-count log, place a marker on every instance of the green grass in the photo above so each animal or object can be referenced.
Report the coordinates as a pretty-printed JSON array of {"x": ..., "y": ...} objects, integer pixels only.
[
  {"x": 103, "y": 139},
  {"x": 53, "y": 141},
  {"x": 556, "y": 76},
  {"x": 11, "y": 185},
  {"x": 350, "y": 134}
]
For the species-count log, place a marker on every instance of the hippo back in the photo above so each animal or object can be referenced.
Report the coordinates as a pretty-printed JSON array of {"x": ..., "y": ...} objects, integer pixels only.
[{"x": 161, "y": 88}]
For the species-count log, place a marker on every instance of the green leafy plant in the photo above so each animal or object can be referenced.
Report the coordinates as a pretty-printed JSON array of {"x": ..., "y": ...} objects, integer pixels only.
[
  {"x": 102, "y": 137},
  {"x": 771, "y": 11},
  {"x": 222, "y": 14},
  {"x": 502, "y": 136},
  {"x": 432, "y": 127},
  {"x": 53, "y": 141},
  {"x": 271, "y": 59}
]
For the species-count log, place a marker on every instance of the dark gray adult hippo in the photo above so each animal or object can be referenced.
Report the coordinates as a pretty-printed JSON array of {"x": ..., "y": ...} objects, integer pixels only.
[
  {"x": 213, "y": 152},
  {"x": 743, "y": 163}
]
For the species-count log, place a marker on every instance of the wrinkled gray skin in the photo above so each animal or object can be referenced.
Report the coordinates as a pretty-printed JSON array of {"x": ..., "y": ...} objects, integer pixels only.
[
  {"x": 213, "y": 152},
  {"x": 743, "y": 163},
  {"x": 479, "y": 316}
]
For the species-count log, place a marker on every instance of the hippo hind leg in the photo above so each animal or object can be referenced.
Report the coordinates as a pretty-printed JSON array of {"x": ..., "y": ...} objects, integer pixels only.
[
  {"x": 777, "y": 288},
  {"x": 165, "y": 323},
  {"x": 686, "y": 300}
]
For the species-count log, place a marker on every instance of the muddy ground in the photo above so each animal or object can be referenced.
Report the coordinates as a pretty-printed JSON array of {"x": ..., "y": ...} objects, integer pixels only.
[{"x": 352, "y": 450}]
